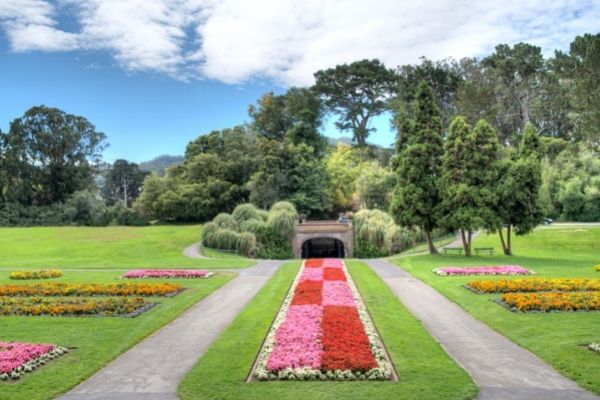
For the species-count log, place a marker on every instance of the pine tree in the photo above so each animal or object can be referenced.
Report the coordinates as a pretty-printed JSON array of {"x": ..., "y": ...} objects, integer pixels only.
[
  {"x": 420, "y": 146},
  {"x": 469, "y": 176},
  {"x": 518, "y": 193}
]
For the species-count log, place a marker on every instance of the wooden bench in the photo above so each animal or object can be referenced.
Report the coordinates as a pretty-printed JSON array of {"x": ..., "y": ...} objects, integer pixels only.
[
  {"x": 458, "y": 250},
  {"x": 489, "y": 250}
]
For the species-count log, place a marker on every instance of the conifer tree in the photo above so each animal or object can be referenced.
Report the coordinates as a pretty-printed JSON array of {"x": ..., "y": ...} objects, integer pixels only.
[{"x": 416, "y": 196}]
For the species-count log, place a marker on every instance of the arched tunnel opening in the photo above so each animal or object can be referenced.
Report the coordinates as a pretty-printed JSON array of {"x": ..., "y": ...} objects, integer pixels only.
[{"x": 323, "y": 248}]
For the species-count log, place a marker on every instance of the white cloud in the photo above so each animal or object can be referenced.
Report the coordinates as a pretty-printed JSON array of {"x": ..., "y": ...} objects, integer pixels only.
[{"x": 287, "y": 40}]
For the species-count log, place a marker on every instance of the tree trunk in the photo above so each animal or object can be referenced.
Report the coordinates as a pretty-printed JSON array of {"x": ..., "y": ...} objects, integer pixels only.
[
  {"x": 504, "y": 248},
  {"x": 469, "y": 236},
  {"x": 464, "y": 240},
  {"x": 432, "y": 249},
  {"x": 508, "y": 243}
]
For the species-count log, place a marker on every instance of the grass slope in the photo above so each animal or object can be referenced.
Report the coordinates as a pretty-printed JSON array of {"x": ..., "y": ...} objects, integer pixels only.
[
  {"x": 550, "y": 252},
  {"x": 105, "y": 247},
  {"x": 94, "y": 341},
  {"x": 425, "y": 371}
]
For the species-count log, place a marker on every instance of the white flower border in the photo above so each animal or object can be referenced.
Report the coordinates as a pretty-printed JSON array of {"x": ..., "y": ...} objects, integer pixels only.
[
  {"x": 383, "y": 371},
  {"x": 32, "y": 364},
  {"x": 440, "y": 272}
]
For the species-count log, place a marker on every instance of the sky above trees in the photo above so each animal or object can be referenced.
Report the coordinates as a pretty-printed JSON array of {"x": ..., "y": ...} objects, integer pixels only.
[{"x": 154, "y": 75}]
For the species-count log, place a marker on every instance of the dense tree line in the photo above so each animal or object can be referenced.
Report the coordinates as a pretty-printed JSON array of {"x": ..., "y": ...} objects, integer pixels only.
[{"x": 491, "y": 125}]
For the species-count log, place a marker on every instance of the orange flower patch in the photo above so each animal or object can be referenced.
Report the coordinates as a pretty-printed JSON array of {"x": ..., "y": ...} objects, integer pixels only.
[
  {"x": 553, "y": 301},
  {"x": 60, "y": 306},
  {"x": 308, "y": 292},
  {"x": 334, "y": 274},
  {"x": 535, "y": 285},
  {"x": 91, "y": 289}
]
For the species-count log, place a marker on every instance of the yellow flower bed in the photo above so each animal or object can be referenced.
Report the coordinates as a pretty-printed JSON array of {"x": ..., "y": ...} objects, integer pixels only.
[
  {"x": 553, "y": 301},
  {"x": 597, "y": 267},
  {"x": 91, "y": 289},
  {"x": 36, "y": 274},
  {"x": 535, "y": 285},
  {"x": 56, "y": 306}
]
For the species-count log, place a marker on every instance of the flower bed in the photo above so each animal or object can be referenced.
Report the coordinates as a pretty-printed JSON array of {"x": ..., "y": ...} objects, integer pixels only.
[
  {"x": 323, "y": 331},
  {"x": 17, "y": 358},
  {"x": 552, "y": 301},
  {"x": 36, "y": 274},
  {"x": 167, "y": 273},
  {"x": 483, "y": 270},
  {"x": 535, "y": 285},
  {"x": 60, "y": 306},
  {"x": 91, "y": 289}
]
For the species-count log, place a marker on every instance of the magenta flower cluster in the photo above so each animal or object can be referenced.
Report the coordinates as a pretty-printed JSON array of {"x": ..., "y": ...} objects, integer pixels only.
[
  {"x": 18, "y": 358},
  {"x": 483, "y": 270},
  {"x": 337, "y": 293},
  {"x": 167, "y": 273}
]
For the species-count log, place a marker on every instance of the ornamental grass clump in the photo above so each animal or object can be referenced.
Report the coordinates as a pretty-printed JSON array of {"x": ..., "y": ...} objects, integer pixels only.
[
  {"x": 225, "y": 221},
  {"x": 376, "y": 234},
  {"x": 245, "y": 212},
  {"x": 36, "y": 274},
  {"x": 253, "y": 226},
  {"x": 246, "y": 243},
  {"x": 282, "y": 222}
]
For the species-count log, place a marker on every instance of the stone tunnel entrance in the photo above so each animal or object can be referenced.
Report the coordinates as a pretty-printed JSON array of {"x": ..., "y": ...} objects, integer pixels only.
[
  {"x": 323, "y": 248},
  {"x": 323, "y": 239}
]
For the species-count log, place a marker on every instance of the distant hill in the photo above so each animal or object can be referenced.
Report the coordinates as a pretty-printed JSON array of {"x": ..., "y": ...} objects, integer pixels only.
[{"x": 160, "y": 164}]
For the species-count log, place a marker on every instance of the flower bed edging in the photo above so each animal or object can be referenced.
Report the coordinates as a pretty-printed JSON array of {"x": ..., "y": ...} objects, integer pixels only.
[
  {"x": 309, "y": 357},
  {"x": 482, "y": 270},
  {"x": 18, "y": 358},
  {"x": 166, "y": 273}
]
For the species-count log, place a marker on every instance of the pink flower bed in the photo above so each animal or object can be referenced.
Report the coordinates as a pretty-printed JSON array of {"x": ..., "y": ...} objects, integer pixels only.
[
  {"x": 18, "y": 358},
  {"x": 323, "y": 331},
  {"x": 167, "y": 273},
  {"x": 483, "y": 270}
]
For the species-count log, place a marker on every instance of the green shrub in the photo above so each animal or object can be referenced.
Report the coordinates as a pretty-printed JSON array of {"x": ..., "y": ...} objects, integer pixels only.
[
  {"x": 364, "y": 249},
  {"x": 397, "y": 239},
  {"x": 245, "y": 212},
  {"x": 120, "y": 214},
  {"x": 264, "y": 215},
  {"x": 282, "y": 222},
  {"x": 272, "y": 246},
  {"x": 208, "y": 233},
  {"x": 225, "y": 239},
  {"x": 87, "y": 208},
  {"x": 225, "y": 221}
]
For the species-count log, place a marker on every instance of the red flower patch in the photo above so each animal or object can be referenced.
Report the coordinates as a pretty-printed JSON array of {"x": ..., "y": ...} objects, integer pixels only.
[
  {"x": 314, "y": 263},
  {"x": 345, "y": 343},
  {"x": 308, "y": 292},
  {"x": 334, "y": 274}
]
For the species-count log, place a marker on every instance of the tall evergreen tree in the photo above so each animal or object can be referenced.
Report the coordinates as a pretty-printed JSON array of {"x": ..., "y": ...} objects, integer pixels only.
[
  {"x": 469, "y": 174},
  {"x": 518, "y": 191},
  {"x": 416, "y": 196}
]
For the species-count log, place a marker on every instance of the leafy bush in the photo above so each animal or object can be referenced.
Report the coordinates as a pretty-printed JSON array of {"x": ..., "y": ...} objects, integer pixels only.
[
  {"x": 120, "y": 214},
  {"x": 376, "y": 234},
  {"x": 272, "y": 246},
  {"x": 252, "y": 225},
  {"x": 87, "y": 208},
  {"x": 282, "y": 223},
  {"x": 284, "y": 206},
  {"x": 364, "y": 249}
]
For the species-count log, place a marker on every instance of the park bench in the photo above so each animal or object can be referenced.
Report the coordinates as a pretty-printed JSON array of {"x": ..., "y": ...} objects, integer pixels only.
[
  {"x": 489, "y": 250},
  {"x": 458, "y": 250}
]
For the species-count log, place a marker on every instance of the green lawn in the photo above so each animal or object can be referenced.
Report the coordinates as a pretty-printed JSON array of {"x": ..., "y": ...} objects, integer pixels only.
[
  {"x": 425, "y": 370},
  {"x": 550, "y": 252},
  {"x": 94, "y": 341},
  {"x": 116, "y": 247}
]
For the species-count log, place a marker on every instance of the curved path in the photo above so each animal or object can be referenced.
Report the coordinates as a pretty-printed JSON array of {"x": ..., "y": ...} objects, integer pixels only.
[
  {"x": 153, "y": 369},
  {"x": 501, "y": 369},
  {"x": 194, "y": 251}
]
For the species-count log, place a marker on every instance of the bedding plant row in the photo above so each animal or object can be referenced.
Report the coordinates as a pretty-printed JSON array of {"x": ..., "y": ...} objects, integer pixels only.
[
  {"x": 69, "y": 306},
  {"x": 323, "y": 331},
  {"x": 17, "y": 358},
  {"x": 36, "y": 274},
  {"x": 90, "y": 289}
]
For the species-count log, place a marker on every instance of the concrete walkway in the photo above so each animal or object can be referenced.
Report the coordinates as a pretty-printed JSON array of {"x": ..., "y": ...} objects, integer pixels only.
[
  {"x": 153, "y": 369},
  {"x": 501, "y": 369},
  {"x": 194, "y": 251}
]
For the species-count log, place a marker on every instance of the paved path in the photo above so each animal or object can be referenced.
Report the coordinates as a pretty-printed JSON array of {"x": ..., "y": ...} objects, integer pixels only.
[
  {"x": 501, "y": 369},
  {"x": 194, "y": 251},
  {"x": 153, "y": 369}
]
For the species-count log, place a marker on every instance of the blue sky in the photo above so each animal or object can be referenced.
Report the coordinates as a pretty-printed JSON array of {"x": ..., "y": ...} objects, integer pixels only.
[{"x": 155, "y": 75}]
